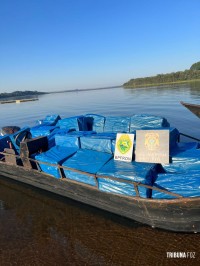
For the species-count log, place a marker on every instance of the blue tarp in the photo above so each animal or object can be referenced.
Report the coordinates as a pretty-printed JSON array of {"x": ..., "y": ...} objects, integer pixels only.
[
  {"x": 111, "y": 135},
  {"x": 173, "y": 137},
  {"x": 87, "y": 123},
  {"x": 72, "y": 138},
  {"x": 41, "y": 130},
  {"x": 147, "y": 121},
  {"x": 56, "y": 155},
  {"x": 117, "y": 187},
  {"x": 184, "y": 146},
  {"x": 96, "y": 143},
  {"x": 97, "y": 122},
  {"x": 117, "y": 124},
  {"x": 66, "y": 140},
  {"x": 50, "y": 120},
  {"x": 81, "y": 133},
  {"x": 186, "y": 184},
  {"x": 51, "y": 137},
  {"x": 88, "y": 161},
  {"x": 75, "y": 122},
  {"x": 183, "y": 161},
  {"x": 133, "y": 171}
]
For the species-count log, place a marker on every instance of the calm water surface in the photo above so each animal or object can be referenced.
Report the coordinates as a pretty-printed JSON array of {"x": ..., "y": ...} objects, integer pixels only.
[
  {"x": 117, "y": 101},
  {"x": 38, "y": 228}
]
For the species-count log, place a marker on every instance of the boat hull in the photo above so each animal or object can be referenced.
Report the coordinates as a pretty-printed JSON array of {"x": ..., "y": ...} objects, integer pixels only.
[
  {"x": 194, "y": 108},
  {"x": 180, "y": 215}
]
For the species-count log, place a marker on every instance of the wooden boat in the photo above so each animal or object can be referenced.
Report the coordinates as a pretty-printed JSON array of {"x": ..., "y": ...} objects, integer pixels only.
[
  {"x": 194, "y": 108},
  {"x": 179, "y": 214}
]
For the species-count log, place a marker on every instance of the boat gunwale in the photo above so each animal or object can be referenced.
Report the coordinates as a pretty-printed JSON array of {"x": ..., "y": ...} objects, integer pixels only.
[
  {"x": 194, "y": 108},
  {"x": 190, "y": 104},
  {"x": 179, "y": 198}
]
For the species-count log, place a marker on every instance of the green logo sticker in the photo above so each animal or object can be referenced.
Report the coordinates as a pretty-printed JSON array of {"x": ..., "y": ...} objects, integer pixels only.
[{"x": 124, "y": 144}]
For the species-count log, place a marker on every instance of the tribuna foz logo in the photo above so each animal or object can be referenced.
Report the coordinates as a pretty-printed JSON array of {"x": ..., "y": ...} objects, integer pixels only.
[{"x": 181, "y": 255}]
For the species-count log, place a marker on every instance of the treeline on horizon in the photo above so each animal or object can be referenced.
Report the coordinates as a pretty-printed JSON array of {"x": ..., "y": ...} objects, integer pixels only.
[
  {"x": 181, "y": 76},
  {"x": 19, "y": 93}
]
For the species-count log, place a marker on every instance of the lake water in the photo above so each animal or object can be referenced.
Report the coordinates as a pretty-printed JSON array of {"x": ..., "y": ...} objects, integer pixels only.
[
  {"x": 163, "y": 101},
  {"x": 38, "y": 228}
]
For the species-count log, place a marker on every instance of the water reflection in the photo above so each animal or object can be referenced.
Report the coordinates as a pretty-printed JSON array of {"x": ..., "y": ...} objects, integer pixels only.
[
  {"x": 195, "y": 91},
  {"x": 38, "y": 228},
  {"x": 164, "y": 101}
]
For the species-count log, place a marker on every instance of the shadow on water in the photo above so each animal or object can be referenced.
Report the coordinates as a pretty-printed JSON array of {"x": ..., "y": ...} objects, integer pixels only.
[{"x": 40, "y": 228}]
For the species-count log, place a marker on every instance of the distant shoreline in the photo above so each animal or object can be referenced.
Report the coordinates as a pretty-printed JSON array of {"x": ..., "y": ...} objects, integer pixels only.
[
  {"x": 165, "y": 79},
  {"x": 21, "y": 94},
  {"x": 92, "y": 89},
  {"x": 160, "y": 84}
]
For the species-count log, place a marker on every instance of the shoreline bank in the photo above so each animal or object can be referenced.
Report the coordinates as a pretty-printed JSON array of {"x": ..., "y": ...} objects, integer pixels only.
[{"x": 160, "y": 84}]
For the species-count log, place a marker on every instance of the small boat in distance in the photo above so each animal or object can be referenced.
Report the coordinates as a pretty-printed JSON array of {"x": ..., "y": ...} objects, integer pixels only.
[{"x": 194, "y": 108}]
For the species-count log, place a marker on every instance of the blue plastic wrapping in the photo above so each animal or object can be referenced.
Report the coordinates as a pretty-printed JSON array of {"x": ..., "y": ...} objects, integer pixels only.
[
  {"x": 41, "y": 130},
  {"x": 51, "y": 136},
  {"x": 117, "y": 124},
  {"x": 147, "y": 121},
  {"x": 81, "y": 133},
  {"x": 56, "y": 155},
  {"x": 49, "y": 120},
  {"x": 4, "y": 143},
  {"x": 186, "y": 184},
  {"x": 117, "y": 187},
  {"x": 101, "y": 144},
  {"x": 87, "y": 123},
  {"x": 75, "y": 122},
  {"x": 81, "y": 177},
  {"x": 183, "y": 161},
  {"x": 19, "y": 136},
  {"x": 97, "y": 122},
  {"x": 133, "y": 171},
  {"x": 111, "y": 135},
  {"x": 145, "y": 173},
  {"x": 184, "y": 146},
  {"x": 59, "y": 131},
  {"x": 66, "y": 140},
  {"x": 173, "y": 137},
  {"x": 88, "y": 161},
  {"x": 62, "y": 134}
]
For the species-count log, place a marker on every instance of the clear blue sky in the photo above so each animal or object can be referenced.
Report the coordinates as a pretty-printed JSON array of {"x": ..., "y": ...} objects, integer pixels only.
[{"x": 49, "y": 45}]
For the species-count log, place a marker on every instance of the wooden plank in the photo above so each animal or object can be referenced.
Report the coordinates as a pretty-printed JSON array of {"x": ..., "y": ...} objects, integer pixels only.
[{"x": 9, "y": 158}]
